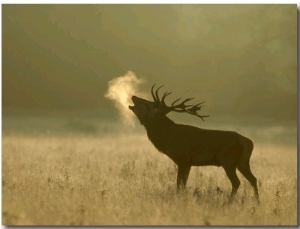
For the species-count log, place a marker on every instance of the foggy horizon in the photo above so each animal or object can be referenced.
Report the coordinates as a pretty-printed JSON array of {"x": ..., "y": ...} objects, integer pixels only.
[{"x": 240, "y": 59}]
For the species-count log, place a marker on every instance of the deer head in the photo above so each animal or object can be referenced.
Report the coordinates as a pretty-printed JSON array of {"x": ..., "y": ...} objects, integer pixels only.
[{"x": 145, "y": 109}]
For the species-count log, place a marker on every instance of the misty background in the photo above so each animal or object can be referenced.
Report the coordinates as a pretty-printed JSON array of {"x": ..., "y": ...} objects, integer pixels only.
[{"x": 240, "y": 59}]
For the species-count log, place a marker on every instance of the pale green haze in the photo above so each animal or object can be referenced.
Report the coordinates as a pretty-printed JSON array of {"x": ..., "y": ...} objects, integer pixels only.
[{"x": 240, "y": 59}]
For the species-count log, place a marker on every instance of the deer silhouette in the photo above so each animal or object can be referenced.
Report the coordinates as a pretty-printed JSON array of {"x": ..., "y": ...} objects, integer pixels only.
[{"x": 191, "y": 146}]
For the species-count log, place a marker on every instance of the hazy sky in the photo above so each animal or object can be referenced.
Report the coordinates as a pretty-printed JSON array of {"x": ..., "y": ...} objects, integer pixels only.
[{"x": 240, "y": 59}]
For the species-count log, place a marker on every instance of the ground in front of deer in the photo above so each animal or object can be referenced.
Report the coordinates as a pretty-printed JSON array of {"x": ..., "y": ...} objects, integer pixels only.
[{"x": 123, "y": 180}]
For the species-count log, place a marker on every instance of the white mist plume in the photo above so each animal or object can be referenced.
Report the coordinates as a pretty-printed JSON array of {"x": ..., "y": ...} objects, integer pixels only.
[{"x": 120, "y": 90}]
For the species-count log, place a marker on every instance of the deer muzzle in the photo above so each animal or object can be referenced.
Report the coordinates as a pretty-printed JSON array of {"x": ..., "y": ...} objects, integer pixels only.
[{"x": 133, "y": 98}]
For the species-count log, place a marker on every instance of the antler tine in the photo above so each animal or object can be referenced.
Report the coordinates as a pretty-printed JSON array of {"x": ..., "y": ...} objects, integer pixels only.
[
  {"x": 156, "y": 93},
  {"x": 188, "y": 99},
  {"x": 193, "y": 111},
  {"x": 175, "y": 102},
  {"x": 182, "y": 104},
  {"x": 152, "y": 93},
  {"x": 164, "y": 96},
  {"x": 196, "y": 107},
  {"x": 202, "y": 116}
]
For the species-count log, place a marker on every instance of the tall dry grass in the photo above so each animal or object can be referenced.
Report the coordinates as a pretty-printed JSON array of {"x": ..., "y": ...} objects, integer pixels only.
[{"x": 122, "y": 180}]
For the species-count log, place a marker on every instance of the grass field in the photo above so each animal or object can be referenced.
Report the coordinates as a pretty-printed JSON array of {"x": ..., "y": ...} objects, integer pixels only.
[{"x": 108, "y": 178}]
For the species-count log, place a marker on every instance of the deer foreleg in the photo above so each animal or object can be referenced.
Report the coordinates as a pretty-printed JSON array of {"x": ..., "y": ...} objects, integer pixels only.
[
  {"x": 235, "y": 182},
  {"x": 182, "y": 176}
]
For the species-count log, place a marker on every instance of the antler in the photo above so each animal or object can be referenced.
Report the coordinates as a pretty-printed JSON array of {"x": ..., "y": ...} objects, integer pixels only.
[
  {"x": 156, "y": 96},
  {"x": 190, "y": 109},
  {"x": 181, "y": 107}
]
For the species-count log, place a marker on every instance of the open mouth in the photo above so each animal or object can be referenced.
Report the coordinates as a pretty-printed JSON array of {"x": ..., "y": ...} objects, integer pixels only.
[{"x": 131, "y": 106}]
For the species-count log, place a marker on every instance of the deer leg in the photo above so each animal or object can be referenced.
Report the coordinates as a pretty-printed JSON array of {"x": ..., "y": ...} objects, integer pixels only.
[
  {"x": 235, "y": 182},
  {"x": 246, "y": 171},
  {"x": 182, "y": 176}
]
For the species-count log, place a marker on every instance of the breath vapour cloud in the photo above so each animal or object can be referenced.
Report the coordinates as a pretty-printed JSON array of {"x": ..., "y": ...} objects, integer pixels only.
[{"x": 120, "y": 90}]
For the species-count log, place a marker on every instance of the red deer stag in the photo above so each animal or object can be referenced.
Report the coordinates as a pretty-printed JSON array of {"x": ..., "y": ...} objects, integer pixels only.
[{"x": 191, "y": 146}]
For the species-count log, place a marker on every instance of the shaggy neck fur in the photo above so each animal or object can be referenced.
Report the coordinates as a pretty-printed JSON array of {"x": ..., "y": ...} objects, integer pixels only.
[{"x": 158, "y": 130}]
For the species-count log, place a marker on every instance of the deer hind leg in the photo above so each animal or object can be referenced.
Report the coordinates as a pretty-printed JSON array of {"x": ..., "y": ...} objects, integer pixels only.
[
  {"x": 244, "y": 165},
  {"x": 244, "y": 168},
  {"x": 182, "y": 176},
  {"x": 235, "y": 182}
]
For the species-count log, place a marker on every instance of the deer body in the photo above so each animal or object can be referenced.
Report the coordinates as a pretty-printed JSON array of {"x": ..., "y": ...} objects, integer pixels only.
[{"x": 191, "y": 146}]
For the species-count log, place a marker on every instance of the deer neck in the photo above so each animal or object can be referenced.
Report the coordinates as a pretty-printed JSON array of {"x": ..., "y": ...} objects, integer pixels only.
[{"x": 158, "y": 131}]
